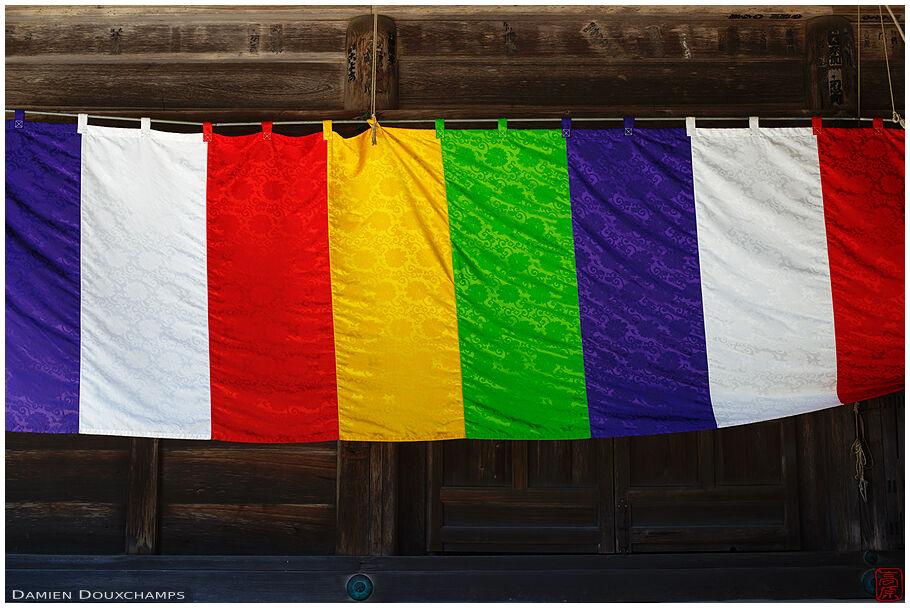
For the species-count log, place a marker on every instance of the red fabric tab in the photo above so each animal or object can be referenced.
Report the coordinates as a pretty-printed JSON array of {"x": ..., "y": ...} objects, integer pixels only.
[
  {"x": 267, "y": 130},
  {"x": 878, "y": 124},
  {"x": 816, "y": 125},
  {"x": 206, "y": 131},
  {"x": 863, "y": 189},
  {"x": 271, "y": 341}
]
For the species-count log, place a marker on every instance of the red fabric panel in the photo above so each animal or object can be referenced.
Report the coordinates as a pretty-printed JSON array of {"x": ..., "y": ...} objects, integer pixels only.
[
  {"x": 862, "y": 175},
  {"x": 272, "y": 349}
]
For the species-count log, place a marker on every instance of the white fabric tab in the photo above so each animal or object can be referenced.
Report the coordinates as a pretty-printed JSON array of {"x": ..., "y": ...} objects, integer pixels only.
[
  {"x": 145, "y": 124},
  {"x": 753, "y": 123},
  {"x": 690, "y": 126},
  {"x": 81, "y": 123}
]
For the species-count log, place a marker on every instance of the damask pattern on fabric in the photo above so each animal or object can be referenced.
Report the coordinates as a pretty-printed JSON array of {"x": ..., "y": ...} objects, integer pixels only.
[
  {"x": 518, "y": 323},
  {"x": 42, "y": 277},
  {"x": 488, "y": 284},
  {"x": 144, "y": 348},
  {"x": 636, "y": 251},
  {"x": 862, "y": 173},
  {"x": 269, "y": 290},
  {"x": 396, "y": 335},
  {"x": 766, "y": 287}
]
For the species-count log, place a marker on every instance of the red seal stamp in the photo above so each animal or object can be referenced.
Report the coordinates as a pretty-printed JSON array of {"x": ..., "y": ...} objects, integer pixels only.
[{"x": 889, "y": 584}]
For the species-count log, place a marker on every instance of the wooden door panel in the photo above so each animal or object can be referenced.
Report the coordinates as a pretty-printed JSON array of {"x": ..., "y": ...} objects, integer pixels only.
[
  {"x": 722, "y": 490},
  {"x": 748, "y": 455},
  {"x": 663, "y": 460},
  {"x": 520, "y": 496},
  {"x": 560, "y": 464},
  {"x": 481, "y": 463}
]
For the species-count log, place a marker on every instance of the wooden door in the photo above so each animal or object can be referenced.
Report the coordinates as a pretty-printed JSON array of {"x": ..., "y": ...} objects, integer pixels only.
[
  {"x": 520, "y": 496},
  {"x": 728, "y": 489}
]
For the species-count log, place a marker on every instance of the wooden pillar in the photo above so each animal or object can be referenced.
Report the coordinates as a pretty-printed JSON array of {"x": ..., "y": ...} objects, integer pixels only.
[
  {"x": 367, "y": 513},
  {"x": 142, "y": 498},
  {"x": 831, "y": 66},
  {"x": 358, "y": 73},
  {"x": 367, "y": 490}
]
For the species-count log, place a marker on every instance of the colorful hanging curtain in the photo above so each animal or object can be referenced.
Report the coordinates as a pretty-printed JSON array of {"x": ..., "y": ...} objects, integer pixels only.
[
  {"x": 494, "y": 284},
  {"x": 511, "y": 230},
  {"x": 144, "y": 351},
  {"x": 42, "y": 276},
  {"x": 396, "y": 336},
  {"x": 271, "y": 346}
]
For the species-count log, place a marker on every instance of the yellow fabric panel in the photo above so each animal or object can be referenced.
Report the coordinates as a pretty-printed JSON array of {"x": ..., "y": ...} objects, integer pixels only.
[{"x": 393, "y": 289}]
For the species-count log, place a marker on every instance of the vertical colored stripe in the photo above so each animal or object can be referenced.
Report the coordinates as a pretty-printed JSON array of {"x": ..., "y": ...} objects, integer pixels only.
[
  {"x": 639, "y": 287},
  {"x": 518, "y": 324},
  {"x": 862, "y": 174},
  {"x": 396, "y": 341},
  {"x": 144, "y": 348},
  {"x": 766, "y": 286},
  {"x": 269, "y": 290},
  {"x": 42, "y": 277}
]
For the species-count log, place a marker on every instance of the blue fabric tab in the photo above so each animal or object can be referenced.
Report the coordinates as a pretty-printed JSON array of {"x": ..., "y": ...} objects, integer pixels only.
[
  {"x": 566, "y": 127},
  {"x": 19, "y": 119},
  {"x": 627, "y": 123}
]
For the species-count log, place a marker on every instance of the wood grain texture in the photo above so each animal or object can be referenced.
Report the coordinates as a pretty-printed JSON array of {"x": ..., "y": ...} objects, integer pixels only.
[
  {"x": 592, "y": 578},
  {"x": 66, "y": 493},
  {"x": 721, "y": 490},
  {"x": 453, "y": 59},
  {"x": 560, "y": 85},
  {"x": 142, "y": 497},
  {"x": 831, "y": 64},
  {"x": 359, "y": 64},
  {"x": 234, "y": 498},
  {"x": 152, "y": 86}
]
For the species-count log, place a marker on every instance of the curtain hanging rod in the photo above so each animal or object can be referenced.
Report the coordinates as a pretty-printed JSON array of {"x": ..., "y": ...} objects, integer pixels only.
[{"x": 426, "y": 120}]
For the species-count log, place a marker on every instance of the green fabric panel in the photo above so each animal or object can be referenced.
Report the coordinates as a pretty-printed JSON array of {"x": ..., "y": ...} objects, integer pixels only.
[{"x": 519, "y": 331}]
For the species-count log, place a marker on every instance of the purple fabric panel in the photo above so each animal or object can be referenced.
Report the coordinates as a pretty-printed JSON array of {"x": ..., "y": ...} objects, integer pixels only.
[
  {"x": 639, "y": 288},
  {"x": 42, "y": 277}
]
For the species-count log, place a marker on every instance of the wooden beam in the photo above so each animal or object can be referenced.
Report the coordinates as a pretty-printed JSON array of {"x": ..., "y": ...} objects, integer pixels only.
[
  {"x": 142, "y": 497},
  {"x": 592, "y": 578}
]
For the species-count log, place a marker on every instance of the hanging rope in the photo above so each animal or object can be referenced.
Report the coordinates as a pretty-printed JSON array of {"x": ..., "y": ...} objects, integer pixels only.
[
  {"x": 894, "y": 115},
  {"x": 373, "y": 78},
  {"x": 896, "y": 24},
  {"x": 859, "y": 54},
  {"x": 859, "y": 452}
]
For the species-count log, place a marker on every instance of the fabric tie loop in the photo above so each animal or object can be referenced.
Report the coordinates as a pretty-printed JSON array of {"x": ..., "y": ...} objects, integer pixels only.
[
  {"x": 628, "y": 123},
  {"x": 145, "y": 125},
  {"x": 267, "y": 130},
  {"x": 753, "y": 123},
  {"x": 816, "y": 125},
  {"x": 440, "y": 128},
  {"x": 566, "y": 127},
  {"x": 81, "y": 123},
  {"x": 502, "y": 125},
  {"x": 19, "y": 119},
  {"x": 878, "y": 124},
  {"x": 690, "y": 126},
  {"x": 327, "y": 130},
  {"x": 206, "y": 131}
]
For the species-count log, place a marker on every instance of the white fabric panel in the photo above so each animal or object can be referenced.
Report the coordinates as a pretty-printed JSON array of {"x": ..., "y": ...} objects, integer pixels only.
[
  {"x": 144, "y": 346},
  {"x": 766, "y": 285}
]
